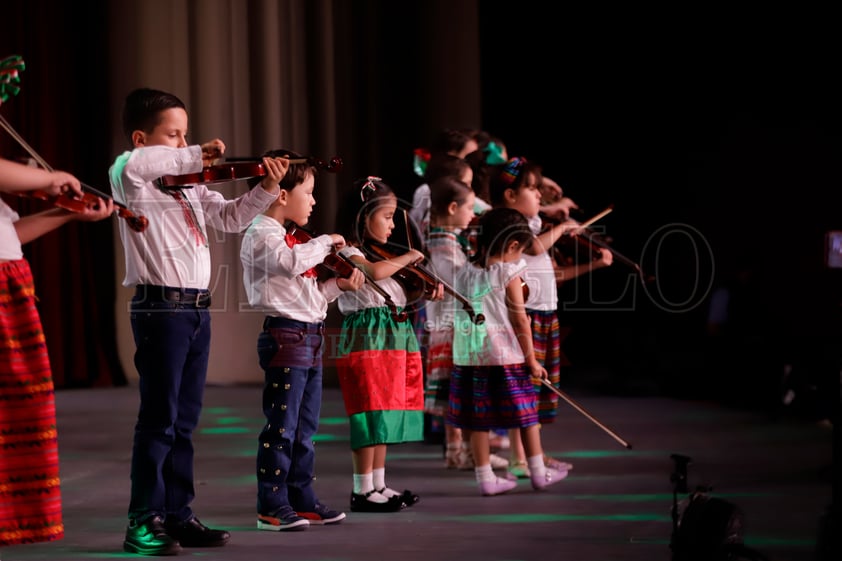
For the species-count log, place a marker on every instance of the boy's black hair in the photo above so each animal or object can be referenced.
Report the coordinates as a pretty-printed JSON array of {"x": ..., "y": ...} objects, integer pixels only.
[
  {"x": 143, "y": 107},
  {"x": 497, "y": 227},
  {"x": 296, "y": 173}
]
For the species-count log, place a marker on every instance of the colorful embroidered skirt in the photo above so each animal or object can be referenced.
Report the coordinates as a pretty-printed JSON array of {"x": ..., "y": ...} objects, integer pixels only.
[
  {"x": 546, "y": 341},
  {"x": 492, "y": 397},
  {"x": 380, "y": 374},
  {"x": 30, "y": 497}
]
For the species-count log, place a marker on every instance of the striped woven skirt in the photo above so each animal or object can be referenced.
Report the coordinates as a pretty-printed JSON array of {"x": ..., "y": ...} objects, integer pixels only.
[
  {"x": 30, "y": 497},
  {"x": 546, "y": 340},
  {"x": 492, "y": 397},
  {"x": 380, "y": 373}
]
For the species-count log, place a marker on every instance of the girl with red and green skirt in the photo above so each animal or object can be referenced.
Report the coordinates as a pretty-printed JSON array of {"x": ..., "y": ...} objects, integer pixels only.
[{"x": 378, "y": 359}]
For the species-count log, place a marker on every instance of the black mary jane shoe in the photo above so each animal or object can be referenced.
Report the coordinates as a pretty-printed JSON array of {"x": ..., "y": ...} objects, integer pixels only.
[
  {"x": 408, "y": 498},
  {"x": 360, "y": 503}
]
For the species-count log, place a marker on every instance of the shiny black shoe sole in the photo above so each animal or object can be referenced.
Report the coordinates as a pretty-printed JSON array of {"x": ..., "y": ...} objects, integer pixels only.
[{"x": 360, "y": 503}]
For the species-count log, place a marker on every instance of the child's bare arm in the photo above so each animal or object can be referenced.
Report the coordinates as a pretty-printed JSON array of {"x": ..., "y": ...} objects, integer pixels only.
[{"x": 522, "y": 327}]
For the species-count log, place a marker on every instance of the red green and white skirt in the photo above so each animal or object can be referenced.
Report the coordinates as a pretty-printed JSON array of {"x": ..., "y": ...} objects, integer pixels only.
[
  {"x": 381, "y": 377},
  {"x": 30, "y": 497}
]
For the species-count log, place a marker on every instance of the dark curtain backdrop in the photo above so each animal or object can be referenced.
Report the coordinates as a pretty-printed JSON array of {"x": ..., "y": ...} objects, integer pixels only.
[
  {"x": 58, "y": 112},
  {"x": 715, "y": 135}
]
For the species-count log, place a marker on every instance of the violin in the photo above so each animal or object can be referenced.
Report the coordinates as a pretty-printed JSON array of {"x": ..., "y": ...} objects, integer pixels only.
[
  {"x": 238, "y": 168},
  {"x": 592, "y": 242},
  {"x": 10, "y": 68},
  {"x": 90, "y": 199},
  {"x": 343, "y": 266},
  {"x": 90, "y": 196},
  {"x": 419, "y": 281}
]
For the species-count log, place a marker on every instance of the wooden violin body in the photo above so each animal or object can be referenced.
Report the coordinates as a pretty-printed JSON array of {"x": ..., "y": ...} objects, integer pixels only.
[
  {"x": 237, "y": 168},
  {"x": 419, "y": 282},
  {"x": 88, "y": 201},
  {"x": 343, "y": 267}
]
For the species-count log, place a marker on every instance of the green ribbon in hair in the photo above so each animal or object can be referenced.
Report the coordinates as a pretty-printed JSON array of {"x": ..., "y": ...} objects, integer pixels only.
[{"x": 10, "y": 68}]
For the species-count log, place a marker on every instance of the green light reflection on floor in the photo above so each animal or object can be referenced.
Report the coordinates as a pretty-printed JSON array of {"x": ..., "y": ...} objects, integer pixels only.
[
  {"x": 218, "y": 410},
  {"x": 607, "y": 453},
  {"x": 229, "y": 420},
  {"x": 225, "y": 430},
  {"x": 526, "y": 518}
]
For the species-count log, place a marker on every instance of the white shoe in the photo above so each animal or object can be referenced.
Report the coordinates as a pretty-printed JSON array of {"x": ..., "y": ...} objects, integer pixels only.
[
  {"x": 496, "y": 487},
  {"x": 551, "y": 477}
]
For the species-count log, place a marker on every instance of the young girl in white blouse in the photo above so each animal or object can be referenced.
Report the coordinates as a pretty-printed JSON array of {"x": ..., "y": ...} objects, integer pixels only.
[{"x": 494, "y": 362}]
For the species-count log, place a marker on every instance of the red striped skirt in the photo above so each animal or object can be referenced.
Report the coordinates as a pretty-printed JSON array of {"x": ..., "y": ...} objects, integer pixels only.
[
  {"x": 30, "y": 497},
  {"x": 546, "y": 341}
]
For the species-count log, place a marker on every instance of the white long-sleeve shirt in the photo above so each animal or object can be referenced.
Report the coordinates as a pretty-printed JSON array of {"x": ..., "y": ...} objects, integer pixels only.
[
  {"x": 273, "y": 272},
  {"x": 167, "y": 252}
]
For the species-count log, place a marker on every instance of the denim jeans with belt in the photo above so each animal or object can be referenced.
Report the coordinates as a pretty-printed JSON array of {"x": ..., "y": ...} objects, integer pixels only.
[
  {"x": 290, "y": 354},
  {"x": 172, "y": 331}
]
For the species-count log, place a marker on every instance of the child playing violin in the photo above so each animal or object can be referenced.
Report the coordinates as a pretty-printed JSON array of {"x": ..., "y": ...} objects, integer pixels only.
[
  {"x": 379, "y": 362},
  {"x": 517, "y": 185},
  {"x": 30, "y": 508},
  {"x": 170, "y": 266},
  {"x": 495, "y": 362},
  {"x": 451, "y": 211},
  {"x": 280, "y": 280}
]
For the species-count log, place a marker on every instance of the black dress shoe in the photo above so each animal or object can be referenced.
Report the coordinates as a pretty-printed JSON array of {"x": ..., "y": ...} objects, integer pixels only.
[
  {"x": 408, "y": 498},
  {"x": 360, "y": 503},
  {"x": 150, "y": 538},
  {"x": 192, "y": 533}
]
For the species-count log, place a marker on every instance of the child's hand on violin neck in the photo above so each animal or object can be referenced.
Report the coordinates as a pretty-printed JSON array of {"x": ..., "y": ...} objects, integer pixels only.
[
  {"x": 338, "y": 241},
  {"x": 276, "y": 169},
  {"x": 212, "y": 150}
]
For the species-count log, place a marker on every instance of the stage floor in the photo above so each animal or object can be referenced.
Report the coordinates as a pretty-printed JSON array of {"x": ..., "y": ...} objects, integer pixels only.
[{"x": 615, "y": 505}]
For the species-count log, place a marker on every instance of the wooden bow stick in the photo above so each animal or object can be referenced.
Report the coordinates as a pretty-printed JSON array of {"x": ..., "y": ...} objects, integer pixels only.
[{"x": 590, "y": 417}]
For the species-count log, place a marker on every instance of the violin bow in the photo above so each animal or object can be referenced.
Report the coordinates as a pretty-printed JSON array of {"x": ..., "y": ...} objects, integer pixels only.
[
  {"x": 590, "y": 417},
  {"x": 597, "y": 216},
  {"x": 584, "y": 225}
]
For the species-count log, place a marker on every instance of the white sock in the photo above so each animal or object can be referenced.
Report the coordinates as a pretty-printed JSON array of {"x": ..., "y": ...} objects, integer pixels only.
[
  {"x": 380, "y": 483},
  {"x": 536, "y": 466},
  {"x": 363, "y": 483},
  {"x": 484, "y": 473}
]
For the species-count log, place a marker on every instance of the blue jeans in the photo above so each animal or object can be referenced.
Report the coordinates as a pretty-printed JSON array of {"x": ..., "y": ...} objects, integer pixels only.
[
  {"x": 290, "y": 354},
  {"x": 172, "y": 340}
]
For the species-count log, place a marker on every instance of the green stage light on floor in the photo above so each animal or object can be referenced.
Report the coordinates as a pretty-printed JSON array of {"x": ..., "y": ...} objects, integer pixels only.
[{"x": 225, "y": 430}]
